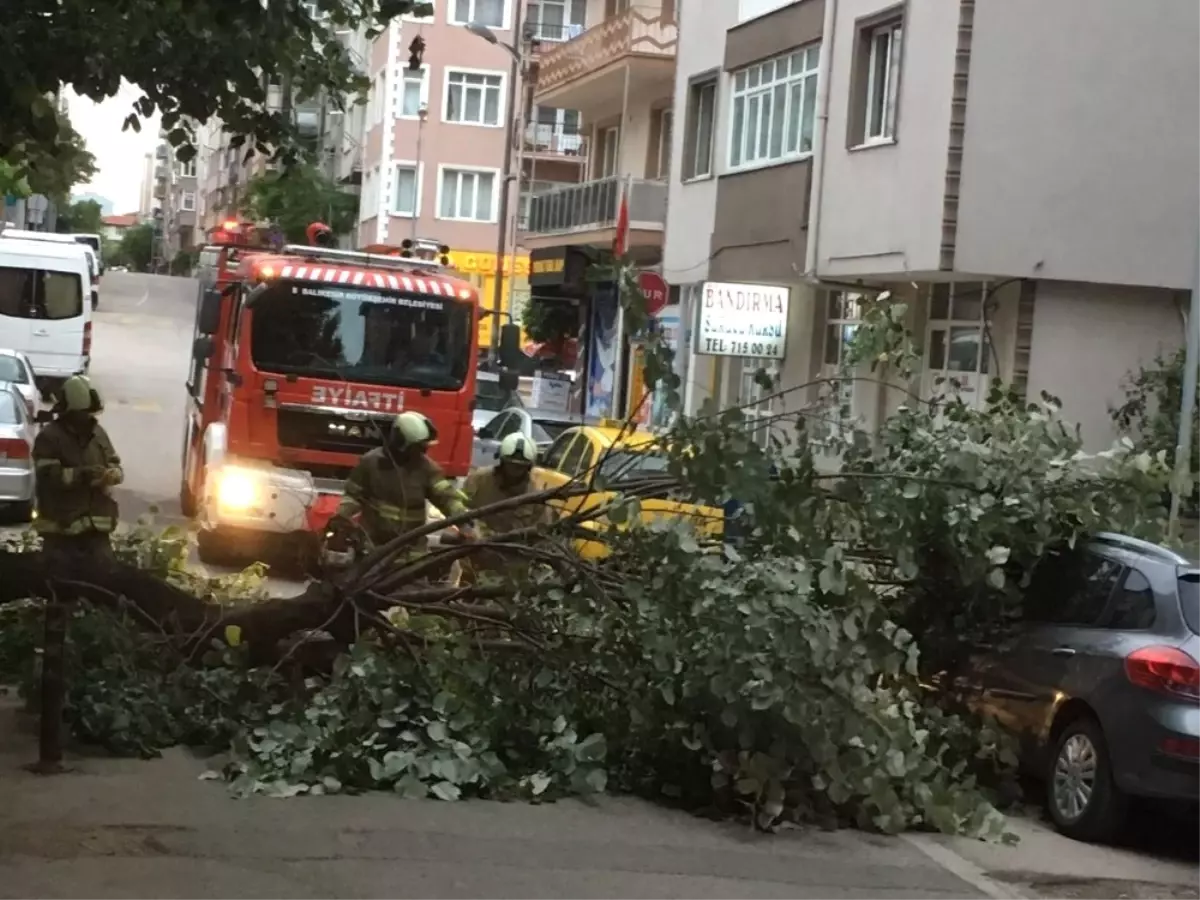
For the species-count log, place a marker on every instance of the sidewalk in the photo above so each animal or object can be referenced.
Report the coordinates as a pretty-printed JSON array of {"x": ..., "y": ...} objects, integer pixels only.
[{"x": 127, "y": 828}]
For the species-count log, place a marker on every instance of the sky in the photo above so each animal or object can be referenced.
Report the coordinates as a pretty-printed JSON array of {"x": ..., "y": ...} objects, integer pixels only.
[{"x": 119, "y": 154}]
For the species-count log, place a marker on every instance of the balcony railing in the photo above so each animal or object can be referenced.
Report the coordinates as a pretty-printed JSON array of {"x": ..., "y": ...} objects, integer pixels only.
[
  {"x": 592, "y": 206},
  {"x": 553, "y": 140},
  {"x": 540, "y": 33},
  {"x": 643, "y": 32}
]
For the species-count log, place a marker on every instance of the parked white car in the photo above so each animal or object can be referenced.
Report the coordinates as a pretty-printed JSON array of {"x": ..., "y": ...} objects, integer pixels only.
[
  {"x": 17, "y": 370},
  {"x": 16, "y": 454}
]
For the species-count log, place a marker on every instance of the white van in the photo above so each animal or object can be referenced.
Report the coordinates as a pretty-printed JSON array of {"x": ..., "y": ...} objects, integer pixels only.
[{"x": 45, "y": 308}]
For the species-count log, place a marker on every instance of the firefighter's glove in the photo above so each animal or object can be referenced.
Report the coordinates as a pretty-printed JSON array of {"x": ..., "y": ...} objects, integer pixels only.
[
  {"x": 111, "y": 477},
  {"x": 91, "y": 476}
]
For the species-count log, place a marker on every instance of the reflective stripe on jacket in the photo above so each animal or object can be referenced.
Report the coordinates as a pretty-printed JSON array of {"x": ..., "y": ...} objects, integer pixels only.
[{"x": 392, "y": 498}]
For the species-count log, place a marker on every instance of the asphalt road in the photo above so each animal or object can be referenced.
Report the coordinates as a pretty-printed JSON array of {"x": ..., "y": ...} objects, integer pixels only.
[{"x": 141, "y": 349}]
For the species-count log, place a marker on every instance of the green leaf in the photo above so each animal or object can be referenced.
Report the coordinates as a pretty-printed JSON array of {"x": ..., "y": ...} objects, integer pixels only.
[
  {"x": 591, "y": 749},
  {"x": 411, "y": 787},
  {"x": 538, "y": 782},
  {"x": 444, "y": 790},
  {"x": 597, "y": 780},
  {"x": 996, "y": 578},
  {"x": 436, "y": 731}
]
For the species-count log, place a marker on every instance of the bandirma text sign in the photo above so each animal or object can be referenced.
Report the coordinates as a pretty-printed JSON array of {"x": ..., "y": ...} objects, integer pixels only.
[{"x": 742, "y": 320}]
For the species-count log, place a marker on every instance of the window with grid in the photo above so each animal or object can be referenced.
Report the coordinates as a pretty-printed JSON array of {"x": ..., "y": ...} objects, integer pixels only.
[
  {"x": 414, "y": 93},
  {"x": 187, "y": 169},
  {"x": 483, "y": 12},
  {"x": 555, "y": 20},
  {"x": 188, "y": 201},
  {"x": 772, "y": 109},
  {"x": 666, "y": 121},
  {"x": 473, "y": 98},
  {"x": 883, "y": 82},
  {"x": 843, "y": 315},
  {"x": 957, "y": 341},
  {"x": 757, "y": 401},
  {"x": 606, "y": 159},
  {"x": 468, "y": 195}
]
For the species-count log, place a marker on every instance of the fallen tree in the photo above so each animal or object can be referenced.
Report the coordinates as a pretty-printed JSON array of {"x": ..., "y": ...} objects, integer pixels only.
[{"x": 778, "y": 675}]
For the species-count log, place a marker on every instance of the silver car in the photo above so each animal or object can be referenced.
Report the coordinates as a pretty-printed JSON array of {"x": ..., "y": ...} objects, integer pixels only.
[
  {"x": 17, "y": 370},
  {"x": 490, "y": 398},
  {"x": 16, "y": 454},
  {"x": 539, "y": 425}
]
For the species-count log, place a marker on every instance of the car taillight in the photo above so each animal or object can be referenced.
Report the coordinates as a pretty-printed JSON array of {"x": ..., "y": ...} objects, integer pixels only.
[
  {"x": 87, "y": 338},
  {"x": 13, "y": 448},
  {"x": 1183, "y": 748},
  {"x": 1165, "y": 670}
]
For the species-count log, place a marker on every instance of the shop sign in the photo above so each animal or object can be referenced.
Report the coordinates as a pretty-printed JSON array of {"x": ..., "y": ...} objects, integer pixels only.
[{"x": 742, "y": 320}]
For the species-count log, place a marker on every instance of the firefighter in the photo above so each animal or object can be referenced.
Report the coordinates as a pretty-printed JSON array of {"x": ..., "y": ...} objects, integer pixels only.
[
  {"x": 77, "y": 467},
  {"x": 391, "y": 484},
  {"x": 510, "y": 477}
]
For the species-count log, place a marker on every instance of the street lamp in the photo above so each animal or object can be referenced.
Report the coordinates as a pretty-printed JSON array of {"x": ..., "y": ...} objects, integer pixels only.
[{"x": 483, "y": 31}]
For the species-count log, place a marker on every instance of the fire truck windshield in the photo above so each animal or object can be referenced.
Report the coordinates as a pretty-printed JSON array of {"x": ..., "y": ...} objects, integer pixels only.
[{"x": 363, "y": 335}]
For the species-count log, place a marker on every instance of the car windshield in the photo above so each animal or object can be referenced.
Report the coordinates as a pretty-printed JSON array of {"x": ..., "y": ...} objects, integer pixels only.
[
  {"x": 10, "y": 410},
  {"x": 1189, "y": 600},
  {"x": 89, "y": 240},
  {"x": 12, "y": 370},
  {"x": 490, "y": 396},
  {"x": 625, "y": 465},
  {"x": 385, "y": 337}
]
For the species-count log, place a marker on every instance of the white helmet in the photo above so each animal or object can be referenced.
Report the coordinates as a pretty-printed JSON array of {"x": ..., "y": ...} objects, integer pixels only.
[
  {"x": 413, "y": 428},
  {"x": 518, "y": 449}
]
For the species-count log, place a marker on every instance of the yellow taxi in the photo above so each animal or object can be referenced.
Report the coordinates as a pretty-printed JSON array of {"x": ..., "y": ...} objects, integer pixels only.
[{"x": 588, "y": 454}]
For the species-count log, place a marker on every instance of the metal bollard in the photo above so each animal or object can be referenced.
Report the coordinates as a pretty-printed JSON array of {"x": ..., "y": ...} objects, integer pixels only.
[{"x": 50, "y": 735}]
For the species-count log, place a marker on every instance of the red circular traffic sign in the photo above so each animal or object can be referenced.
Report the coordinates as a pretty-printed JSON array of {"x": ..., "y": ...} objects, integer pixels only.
[{"x": 655, "y": 289}]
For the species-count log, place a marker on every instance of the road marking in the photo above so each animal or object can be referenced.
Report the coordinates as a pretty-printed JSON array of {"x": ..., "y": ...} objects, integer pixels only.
[
  {"x": 958, "y": 865},
  {"x": 145, "y": 297}
]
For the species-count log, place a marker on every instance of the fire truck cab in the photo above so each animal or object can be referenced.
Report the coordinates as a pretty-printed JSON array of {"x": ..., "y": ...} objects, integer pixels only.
[{"x": 302, "y": 358}]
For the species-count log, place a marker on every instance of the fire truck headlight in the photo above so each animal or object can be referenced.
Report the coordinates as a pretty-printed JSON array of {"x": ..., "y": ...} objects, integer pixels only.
[{"x": 237, "y": 491}]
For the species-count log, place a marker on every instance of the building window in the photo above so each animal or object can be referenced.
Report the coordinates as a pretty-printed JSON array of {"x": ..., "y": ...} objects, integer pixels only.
[
  {"x": 663, "y": 148},
  {"x": 957, "y": 353},
  {"x": 474, "y": 98},
  {"x": 378, "y": 92},
  {"x": 698, "y": 140},
  {"x": 610, "y": 146},
  {"x": 875, "y": 83},
  {"x": 492, "y": 13},
  {"x": 468, "y": 195},
  {"x": 772, "y": 110},
  {"x": 187, "y": 169},
  {"x": 555, "y": 20},
  {"x": 406, "y": 198},
  {"x": 843, "y": 314},
  {"x": 187, "y": 202},
  {"x": 414, "y": 97}
]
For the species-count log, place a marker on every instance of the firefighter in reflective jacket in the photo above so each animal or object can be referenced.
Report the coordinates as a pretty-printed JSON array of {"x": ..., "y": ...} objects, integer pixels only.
[
  {"x": 77, "y": 468},
  {"x": 510, "y": 477},
  {"x": 390, "y": 486}
]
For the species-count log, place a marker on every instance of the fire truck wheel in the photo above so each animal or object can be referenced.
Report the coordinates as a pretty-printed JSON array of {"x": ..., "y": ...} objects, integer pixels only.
[{"x": 214, "y": 549}]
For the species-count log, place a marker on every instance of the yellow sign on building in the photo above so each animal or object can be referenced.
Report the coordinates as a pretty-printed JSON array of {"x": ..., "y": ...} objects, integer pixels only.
[{"x": 480, "y": 270}]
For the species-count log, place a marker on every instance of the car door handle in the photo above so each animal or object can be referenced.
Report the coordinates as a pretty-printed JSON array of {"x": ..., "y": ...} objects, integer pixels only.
[
  {"x": 41, "y": 332},
  {"x": 1063, "y": 651}
]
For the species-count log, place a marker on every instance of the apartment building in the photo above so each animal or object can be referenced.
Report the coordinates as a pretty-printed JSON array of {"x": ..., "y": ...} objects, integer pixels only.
[
  {"x": 1033, "y": 205},
  {"x": 175, "y": 192},
  {"x": 616, "y": 68}
]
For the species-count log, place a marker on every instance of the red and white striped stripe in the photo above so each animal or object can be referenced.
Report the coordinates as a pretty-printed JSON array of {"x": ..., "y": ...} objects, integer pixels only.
[{"x": 424, "y": 284}]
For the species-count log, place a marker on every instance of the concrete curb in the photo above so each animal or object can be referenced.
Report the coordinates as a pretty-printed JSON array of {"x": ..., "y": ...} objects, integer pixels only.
[{"x": 962, "y": 867}]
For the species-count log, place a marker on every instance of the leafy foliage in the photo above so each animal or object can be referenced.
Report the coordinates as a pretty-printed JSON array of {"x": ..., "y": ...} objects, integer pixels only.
[
  {"x": 1150, "y": 413},
  {"x": 782, "y": 674},
  {"x": 51, "y": 164},
  {"x": 193, "y": 61},
  {"x": 83, "y": 217},
  {"x": 296, "y": 197},
  {"x": 136, "y": 249},
  {"x": 549, "y": 321}
]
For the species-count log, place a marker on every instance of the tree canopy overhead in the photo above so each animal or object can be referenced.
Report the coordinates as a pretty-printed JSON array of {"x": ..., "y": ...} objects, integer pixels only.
[
  {"x": 193, "y": 61},
  {"x": 297, "y": 197}
]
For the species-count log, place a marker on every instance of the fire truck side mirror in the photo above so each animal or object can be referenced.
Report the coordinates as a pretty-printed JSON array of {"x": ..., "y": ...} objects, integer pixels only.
[
  {"x": 203, "y": 347},
  {"x": 510, "y": 346},
  {"x": 209, "y": 319}
]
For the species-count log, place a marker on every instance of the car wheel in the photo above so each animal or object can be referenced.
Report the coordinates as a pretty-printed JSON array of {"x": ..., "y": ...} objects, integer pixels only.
[
  {"x": 21, "y": 513},
  {"x": 1081, "y": 797},
  {"x": 214, "y": 549}
]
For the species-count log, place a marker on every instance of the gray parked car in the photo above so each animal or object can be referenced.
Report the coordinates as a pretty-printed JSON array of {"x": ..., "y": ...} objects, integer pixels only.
[
  {"x": 16, "y": 454},
  {"x": 17, "y": 370},
  {"x": 490, "y": 398},
  {"x": 540, "y": 426},
  {"x": 1102, "y": 686}
]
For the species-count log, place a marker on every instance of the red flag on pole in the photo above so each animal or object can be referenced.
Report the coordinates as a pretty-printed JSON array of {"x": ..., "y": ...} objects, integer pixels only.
[{"x": 622, "y": 235}]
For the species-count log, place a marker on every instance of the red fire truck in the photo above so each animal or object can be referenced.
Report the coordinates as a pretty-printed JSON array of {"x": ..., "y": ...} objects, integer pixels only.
[{"x": 302, "y": 357}]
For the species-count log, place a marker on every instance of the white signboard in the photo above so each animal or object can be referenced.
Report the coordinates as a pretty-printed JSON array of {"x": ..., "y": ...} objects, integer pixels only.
[
  {"x": 746, "y": 320},
  {"x": 550, "y": 392}
]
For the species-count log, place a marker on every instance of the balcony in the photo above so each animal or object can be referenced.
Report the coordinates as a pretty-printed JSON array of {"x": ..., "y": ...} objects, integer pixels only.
[
  {"x": 586, "y": 213},
  {"x": 587, "y": 72},
  {"x": 554, "y": 143}
]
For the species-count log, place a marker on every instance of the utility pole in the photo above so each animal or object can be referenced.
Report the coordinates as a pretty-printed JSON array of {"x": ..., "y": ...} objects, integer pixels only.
[
  {"x": 1187, "y": 404},
  {"x": 510, "y": 110}
]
